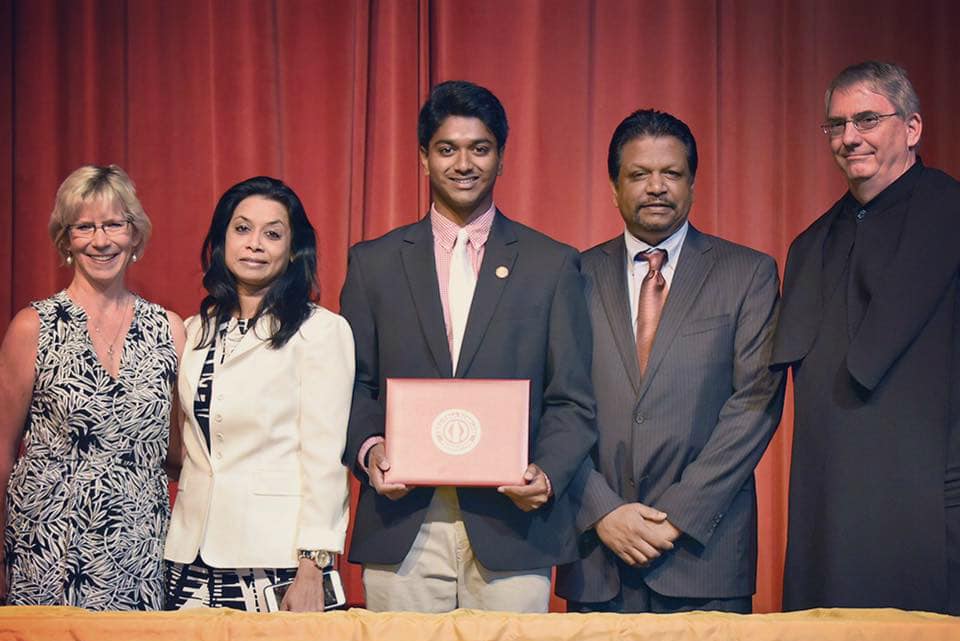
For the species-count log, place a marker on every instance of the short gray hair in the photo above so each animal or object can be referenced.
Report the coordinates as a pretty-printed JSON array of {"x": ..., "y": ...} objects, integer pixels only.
[{"x": 885, "y": 78}]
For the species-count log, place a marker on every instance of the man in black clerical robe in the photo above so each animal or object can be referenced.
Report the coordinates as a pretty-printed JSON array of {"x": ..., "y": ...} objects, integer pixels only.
[{"x": 870, "y": 323}]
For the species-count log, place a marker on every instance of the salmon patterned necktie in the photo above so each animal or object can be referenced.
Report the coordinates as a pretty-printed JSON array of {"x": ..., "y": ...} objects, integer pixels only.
[{"x": 653, "y": 293}]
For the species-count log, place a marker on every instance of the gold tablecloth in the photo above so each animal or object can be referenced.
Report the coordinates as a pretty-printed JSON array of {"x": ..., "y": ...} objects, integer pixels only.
[{"x": 60, "y": 623}]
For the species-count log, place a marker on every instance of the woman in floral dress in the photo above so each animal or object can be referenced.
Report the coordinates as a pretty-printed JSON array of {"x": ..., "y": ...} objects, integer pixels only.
[{"x": 88, "y": 378}]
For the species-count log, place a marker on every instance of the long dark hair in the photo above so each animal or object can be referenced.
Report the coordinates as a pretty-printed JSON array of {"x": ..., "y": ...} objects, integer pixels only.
[{"x": 288, "y": 299}]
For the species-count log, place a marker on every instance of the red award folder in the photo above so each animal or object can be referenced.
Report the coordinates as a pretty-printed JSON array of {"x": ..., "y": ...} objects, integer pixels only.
[{"x": 457, "y": 431}]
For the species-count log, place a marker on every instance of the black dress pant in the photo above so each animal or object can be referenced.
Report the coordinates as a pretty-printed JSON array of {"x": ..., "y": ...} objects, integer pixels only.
[{"x": 636, "y": 597}]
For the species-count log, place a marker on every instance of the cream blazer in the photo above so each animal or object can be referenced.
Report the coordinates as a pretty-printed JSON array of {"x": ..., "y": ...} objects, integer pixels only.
[{"x": 272, "y": 481}]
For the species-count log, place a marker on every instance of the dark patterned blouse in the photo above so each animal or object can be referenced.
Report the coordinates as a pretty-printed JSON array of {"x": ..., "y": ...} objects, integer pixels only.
[{"x": 87, "y": 503}]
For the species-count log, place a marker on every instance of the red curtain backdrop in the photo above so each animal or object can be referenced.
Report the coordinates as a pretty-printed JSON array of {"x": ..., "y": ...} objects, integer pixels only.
[{"x": 191, "y": 96}]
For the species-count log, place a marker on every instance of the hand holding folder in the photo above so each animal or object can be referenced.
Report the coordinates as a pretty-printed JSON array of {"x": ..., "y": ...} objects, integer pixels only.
[{"x": 533, "y": 493}]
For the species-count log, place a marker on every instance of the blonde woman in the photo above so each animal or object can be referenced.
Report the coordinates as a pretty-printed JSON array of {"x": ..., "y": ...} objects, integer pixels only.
[{"x": 88, "y": 379}]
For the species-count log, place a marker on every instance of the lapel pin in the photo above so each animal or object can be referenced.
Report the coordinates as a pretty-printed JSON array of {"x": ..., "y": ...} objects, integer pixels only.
[{"x": 502, "y": 271}]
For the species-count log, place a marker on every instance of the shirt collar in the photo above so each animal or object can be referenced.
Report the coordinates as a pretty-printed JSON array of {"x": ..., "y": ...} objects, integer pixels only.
[
  {"x": 445, "y": 230},
  {"x": 672, "y": 244}
]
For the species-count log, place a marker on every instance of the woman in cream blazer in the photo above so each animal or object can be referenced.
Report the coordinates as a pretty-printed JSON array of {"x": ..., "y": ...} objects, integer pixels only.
[{"x": 265, "y": 388}]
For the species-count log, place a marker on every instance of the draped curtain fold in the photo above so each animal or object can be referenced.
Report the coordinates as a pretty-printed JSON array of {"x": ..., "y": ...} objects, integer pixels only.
[{"x": 192, "y": 96}]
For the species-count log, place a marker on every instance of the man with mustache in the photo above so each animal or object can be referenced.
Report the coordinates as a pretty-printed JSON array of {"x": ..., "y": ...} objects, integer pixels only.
[
  {"x": 686, "y": 404},
  {"x": 871, "y": 327}
]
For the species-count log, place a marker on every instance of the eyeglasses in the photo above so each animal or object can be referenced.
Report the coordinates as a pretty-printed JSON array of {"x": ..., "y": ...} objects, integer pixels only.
[
  {"x": 112, "y": 228},
  {"x": 861, "y": 122}
]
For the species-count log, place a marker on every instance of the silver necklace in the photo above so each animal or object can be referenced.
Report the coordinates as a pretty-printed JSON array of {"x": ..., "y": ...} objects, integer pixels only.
[
  {"x": 231, "y": 335},
  {"x": 123, "y": 317}
]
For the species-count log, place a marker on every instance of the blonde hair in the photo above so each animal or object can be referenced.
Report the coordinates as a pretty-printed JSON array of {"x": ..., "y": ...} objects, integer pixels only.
[{"x": 88, "y": 184}]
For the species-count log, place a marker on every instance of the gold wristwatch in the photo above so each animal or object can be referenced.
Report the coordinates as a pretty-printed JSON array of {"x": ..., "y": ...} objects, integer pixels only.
[{"x": 321, "y": 558}]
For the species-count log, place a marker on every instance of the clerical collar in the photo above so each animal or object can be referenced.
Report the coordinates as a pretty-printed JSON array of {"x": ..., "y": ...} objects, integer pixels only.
[{"x": 897, "y": 191}]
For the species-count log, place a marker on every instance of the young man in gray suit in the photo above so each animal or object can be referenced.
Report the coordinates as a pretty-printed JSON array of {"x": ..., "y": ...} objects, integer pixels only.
[
  {"x": 435, "y": 550},
  {"x": 686, "y": 404}
]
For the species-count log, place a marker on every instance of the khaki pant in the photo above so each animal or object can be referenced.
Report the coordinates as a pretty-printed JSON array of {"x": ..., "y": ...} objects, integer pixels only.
[{"x": 440, "y": 572}]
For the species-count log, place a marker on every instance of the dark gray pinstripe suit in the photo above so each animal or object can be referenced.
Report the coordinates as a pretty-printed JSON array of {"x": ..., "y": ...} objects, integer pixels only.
[{"x": 686, "y": 438}]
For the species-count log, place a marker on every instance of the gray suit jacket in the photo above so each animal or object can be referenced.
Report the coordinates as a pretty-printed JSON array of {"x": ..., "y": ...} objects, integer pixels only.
[
  {"x": 528, "y": 320},
  {"x": 686, "y": 437}
]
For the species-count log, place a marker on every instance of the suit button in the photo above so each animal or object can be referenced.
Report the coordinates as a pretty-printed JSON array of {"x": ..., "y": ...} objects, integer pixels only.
[
  {"x": 632, "y": 483},
  {"x": 218, "y": 418},
  {"x": 219, "y": 454},
  {"x": 639, "y": 419},
  {"x": 219, "y": 436}
]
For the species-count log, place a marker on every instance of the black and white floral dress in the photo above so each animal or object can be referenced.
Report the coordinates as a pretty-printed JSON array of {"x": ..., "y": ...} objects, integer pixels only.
[{"x": 87, "y": 503}]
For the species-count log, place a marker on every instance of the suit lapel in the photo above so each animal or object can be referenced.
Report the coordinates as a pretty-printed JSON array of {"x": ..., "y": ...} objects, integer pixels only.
[
  {"x": 611, "y": 283},
  {"x": 500, "y": 251},
  {"x": 688, "y": 279},
  {"x": 419, "y": 267},
  {"x": 254, "y": 337}
]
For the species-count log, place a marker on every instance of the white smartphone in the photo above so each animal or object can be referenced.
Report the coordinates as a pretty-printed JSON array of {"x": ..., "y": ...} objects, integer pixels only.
[{"x": 333, "y": 595}]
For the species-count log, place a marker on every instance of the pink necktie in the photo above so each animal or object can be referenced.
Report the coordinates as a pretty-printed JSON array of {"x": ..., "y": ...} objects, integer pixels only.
[{"x": 653, "y": 293}]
